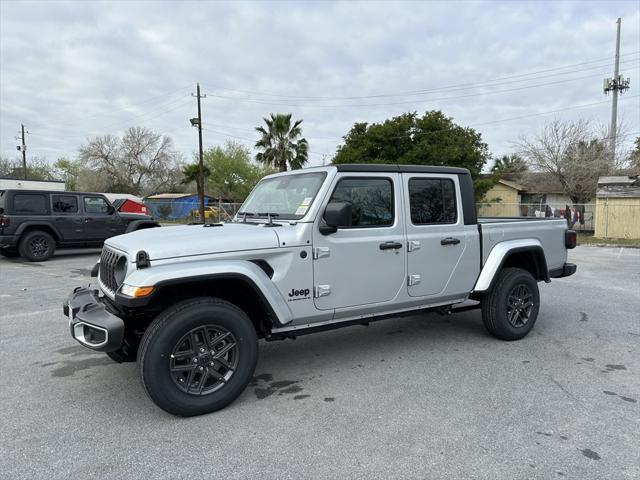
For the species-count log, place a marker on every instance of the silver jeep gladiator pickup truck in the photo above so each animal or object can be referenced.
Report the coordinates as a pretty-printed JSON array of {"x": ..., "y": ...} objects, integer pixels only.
[{"x": 309, "y": 250}]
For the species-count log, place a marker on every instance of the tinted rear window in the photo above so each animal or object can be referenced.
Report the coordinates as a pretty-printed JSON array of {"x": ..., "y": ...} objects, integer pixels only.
[
  {"x": 65, "y": 204},
  {"x": 432, "y": 201},
  {"x": 29, "y": 204}
]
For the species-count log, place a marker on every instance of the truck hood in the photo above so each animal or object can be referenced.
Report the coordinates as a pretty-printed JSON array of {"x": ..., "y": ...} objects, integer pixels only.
[{"x": 170, "y": 242}]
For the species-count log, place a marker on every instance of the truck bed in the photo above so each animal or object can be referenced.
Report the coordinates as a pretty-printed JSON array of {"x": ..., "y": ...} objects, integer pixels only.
[{"x": 550, "y": 232}]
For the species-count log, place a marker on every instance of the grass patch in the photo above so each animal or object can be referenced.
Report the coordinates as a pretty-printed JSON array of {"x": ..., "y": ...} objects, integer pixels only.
[{"x": 589, "y": 239}]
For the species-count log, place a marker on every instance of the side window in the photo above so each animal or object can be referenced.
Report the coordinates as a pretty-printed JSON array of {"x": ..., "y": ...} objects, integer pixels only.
[
  {"x": 65, "y": 204},
  {"x": 432, "y": 201},
  {"x": 29, "y": 204},
  {"x": 371, "y": 200},
  {"x": 95, "y": 205}
]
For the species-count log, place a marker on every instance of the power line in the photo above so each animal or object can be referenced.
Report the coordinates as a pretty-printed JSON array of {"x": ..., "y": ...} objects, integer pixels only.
[
  {"x": 446, "y": 88},
  {"x": 407, "y": 102}
]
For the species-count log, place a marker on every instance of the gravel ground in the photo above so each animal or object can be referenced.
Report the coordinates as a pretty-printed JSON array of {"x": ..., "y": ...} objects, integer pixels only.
[{"x": 418, "y": 397}]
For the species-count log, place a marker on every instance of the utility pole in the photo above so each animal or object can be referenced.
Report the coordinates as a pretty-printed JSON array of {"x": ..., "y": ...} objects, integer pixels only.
[
  {"x": 198, "y": 122},
  {"x": 615, "y": 84},
  {"x": 23, "y": 148}
]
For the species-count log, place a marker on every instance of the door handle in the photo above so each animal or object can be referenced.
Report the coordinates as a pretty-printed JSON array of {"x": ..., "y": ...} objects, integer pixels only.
[
  {"x": 88, "y": 220},
  {"x": 449, "y": 241},
  {"x": 390, "y": 245}
]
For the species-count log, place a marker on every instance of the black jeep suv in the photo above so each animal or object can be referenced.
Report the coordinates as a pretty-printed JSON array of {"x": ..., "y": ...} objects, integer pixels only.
[{"x": 34, "y": 222}]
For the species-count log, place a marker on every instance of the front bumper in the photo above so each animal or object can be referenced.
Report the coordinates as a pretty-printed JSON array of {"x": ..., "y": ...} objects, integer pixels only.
[
  {"x": 566, "y": 270},
  {"x": 90, "y": 323}
]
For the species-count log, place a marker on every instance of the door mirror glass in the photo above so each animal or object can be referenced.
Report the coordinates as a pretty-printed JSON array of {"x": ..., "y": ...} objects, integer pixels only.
[{"x": 336, "y": 215}]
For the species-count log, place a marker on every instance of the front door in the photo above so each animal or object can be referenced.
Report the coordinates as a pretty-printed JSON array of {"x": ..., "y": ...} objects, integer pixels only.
[
  {"x": 365, "y": 263},
  {"x": 436, "y": 236},
  {"x": 99, "y": 224}
]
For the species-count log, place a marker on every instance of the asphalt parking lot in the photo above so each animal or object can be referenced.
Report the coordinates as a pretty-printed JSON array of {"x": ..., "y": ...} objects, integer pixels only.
[{"x": 419, "y": 397}]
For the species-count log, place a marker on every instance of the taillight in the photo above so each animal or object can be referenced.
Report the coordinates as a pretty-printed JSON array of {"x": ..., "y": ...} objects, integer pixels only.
[
  {"x": 4, "y": 221},
  {"x": 570, "y": 239}
]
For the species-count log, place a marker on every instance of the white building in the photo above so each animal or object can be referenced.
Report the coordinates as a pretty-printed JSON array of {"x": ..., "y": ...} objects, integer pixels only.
[{"x": 11, "y": 183}]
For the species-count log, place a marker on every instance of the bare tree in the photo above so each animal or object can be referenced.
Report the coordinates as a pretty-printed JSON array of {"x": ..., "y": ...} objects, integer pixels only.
[
  {"x": 140, "y": 162},
  {"x": 572, "y": 153}
]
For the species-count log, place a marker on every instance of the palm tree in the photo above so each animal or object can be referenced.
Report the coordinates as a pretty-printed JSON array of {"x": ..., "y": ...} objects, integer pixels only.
[
  {"x": 191, "y": 173},
  {"x": 281, "y": 143},
  {"x": 510, "y": 164}
]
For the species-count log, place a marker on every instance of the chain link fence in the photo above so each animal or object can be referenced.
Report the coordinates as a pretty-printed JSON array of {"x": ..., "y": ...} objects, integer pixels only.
[
  {"x": 606, "y": 218},
  {"x": 580, "y": 217},
  {"x": 185, "y": 212}
]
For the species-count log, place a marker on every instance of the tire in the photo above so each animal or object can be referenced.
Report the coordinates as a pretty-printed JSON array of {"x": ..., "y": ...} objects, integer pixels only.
[
  {"x": 37, "y": 246},
  {"x": 167, "y": 350},
  {"x": 9, "y": 253},
  {"x": 510, "y": 308}
]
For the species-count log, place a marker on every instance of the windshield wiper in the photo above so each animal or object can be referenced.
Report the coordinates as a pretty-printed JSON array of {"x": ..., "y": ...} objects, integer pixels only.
[
  {"x": 269, "y": 216},
  {"x": 245, "y": 215}
]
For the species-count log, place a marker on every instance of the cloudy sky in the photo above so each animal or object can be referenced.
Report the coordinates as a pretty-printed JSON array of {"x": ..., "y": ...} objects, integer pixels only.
[{"x": 72, "y": 70}]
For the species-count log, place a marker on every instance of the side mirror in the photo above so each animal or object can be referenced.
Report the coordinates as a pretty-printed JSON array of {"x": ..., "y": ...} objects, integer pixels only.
[
  {"x": 336, "y": 215},
  {"x": 111, "y": 210}
]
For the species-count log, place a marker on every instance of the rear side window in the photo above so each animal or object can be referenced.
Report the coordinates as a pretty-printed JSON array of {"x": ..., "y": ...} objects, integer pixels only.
[
  {"x": 65, "y": 204},
  {"x": 371, "y": 200},
  {"x": 29, "y": 203},
  {"x": 95, "y": 205},
  {"x": 432, "y": 201}
]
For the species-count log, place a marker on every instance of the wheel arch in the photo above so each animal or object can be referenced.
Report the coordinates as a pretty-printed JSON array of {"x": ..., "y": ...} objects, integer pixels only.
[
  {"x": 140, "y": 224},
  {"x": 27, "y": 227},
  {"x": 525, "y": 254},
  {"x": 242, "y": 283}
]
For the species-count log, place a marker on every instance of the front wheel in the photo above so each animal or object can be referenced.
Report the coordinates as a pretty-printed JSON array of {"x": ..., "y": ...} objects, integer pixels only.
[
  {"x": 198, "y": 356},
  {"x": 510, "y": 308}
]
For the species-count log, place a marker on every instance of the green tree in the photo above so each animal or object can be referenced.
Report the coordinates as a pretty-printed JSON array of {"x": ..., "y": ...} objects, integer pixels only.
[
  {"x": 281, "y": 143},
  {"x": 191, "y": 174},
  {"x": 69, "y": 171},
  {"x": 513, "y": 163},
  {"x": 233, "y": 175},
  {"x": 433, "y": 139}
]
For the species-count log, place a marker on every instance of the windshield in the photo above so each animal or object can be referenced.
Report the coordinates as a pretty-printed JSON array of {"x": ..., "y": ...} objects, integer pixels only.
[{"x": 289, "y": 196}]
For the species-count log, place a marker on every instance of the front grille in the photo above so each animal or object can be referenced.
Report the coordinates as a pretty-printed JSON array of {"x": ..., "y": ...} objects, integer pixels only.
[{"x": 108, "y": 261}]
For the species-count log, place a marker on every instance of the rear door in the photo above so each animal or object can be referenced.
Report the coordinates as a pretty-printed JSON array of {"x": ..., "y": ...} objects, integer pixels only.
[
  {"x": 442, "y": 252},
  {"x": 66, "y": 215},
  {"x": 99, "y": 224},
  {"x": 365, "y": 263}
]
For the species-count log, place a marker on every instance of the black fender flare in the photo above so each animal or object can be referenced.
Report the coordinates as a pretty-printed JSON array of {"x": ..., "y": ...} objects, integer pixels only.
[
  {"x": 31, "y": 225},
  {"x": 138, "y": 224}
]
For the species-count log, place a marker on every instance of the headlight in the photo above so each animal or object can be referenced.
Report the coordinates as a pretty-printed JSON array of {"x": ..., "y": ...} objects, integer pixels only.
[{"x": 135, "y": 292}]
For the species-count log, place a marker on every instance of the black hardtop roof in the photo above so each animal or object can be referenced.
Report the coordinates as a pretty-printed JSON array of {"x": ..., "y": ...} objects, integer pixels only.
[
  {"x": 383, "y": 167},
  {"x": 54, "y": 192}
]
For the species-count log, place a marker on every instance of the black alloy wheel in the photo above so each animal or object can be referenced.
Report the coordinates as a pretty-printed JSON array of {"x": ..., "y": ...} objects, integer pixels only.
[
  {"x": 204, "y": 360},
  {"x": 519, "y": 305}
]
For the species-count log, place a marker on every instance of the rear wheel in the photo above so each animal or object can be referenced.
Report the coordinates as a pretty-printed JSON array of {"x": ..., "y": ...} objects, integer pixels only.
[
  {"x": 198, "y": 356},
  {"x": 37, "y": 246},
  {"x": 510, "y": 308}
]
